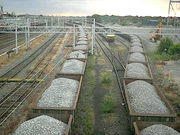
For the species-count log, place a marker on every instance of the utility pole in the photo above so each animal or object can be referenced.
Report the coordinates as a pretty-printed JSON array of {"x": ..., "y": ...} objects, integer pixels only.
[
  {"x": 16, "y": 36},
  {"x": 93, "y": 37},
  {"x": 28, "y": 37},
  {"x": 171, "y": 8}
]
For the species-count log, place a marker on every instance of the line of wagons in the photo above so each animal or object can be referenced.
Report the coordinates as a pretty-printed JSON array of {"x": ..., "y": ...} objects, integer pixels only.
[
  {"x": 149, "y": 111},
  {"x": 54, "y": 110}
]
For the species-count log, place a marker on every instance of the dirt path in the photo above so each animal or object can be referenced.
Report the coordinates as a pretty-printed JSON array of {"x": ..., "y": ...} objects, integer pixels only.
[
  {"x": 99, "y": 93},
  {"x": 115, "y": 122}
]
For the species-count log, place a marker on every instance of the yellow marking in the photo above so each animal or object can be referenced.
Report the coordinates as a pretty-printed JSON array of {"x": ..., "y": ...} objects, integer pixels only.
[
  {"x": 111, "y": 36},
  {"x": 20, "y": 80}
]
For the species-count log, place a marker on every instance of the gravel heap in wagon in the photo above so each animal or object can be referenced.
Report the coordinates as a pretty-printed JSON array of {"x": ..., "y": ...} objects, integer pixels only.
[
  {"x": 137, "y": 70},
  {"x": 85, "y": 39},
  {"x": 136, "y": 44},
  {"x": 82, "y": 42},
  {"x": 137, "y": 57},
  {"x": 42, "y": 125},
  {"x": 136, "y": 39},
  {"x": 159, "y": 129},
  {"x": 136, "y": 49},
  {"x": 77, "y": 54},
  {"x": 72, "y": 66},
  {"x": 81, "y": 47},
  {"x": 144, "y": 98},
  {"x": 61, "y": 93}
]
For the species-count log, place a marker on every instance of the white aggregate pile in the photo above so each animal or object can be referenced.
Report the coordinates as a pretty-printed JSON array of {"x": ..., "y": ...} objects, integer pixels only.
[
  {"x": 77, "y": 54},
  {"x": 136, "y": 44},
  {"x": 73, "y": 66},
  {"x": 82, "y": 36},
  {"x": 137, "y": 57},
  {"x": 81, "y": 47},
  {"x": 159, "y": 129},
  {"x": 42, "y": 125},
  {"x": 61, "y": 93},
  {"x": 137, "y": 70},
  {"x": 85, "y": 39},
  {"x": 82, "y": 42},
  {"x": 144, "y": 98},
  {"x": 136, "y": 49},
  {"x": 136, "y": 40}
]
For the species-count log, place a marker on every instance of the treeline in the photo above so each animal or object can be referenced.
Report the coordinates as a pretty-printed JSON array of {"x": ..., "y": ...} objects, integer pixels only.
[{"x": 131, "y": 20}]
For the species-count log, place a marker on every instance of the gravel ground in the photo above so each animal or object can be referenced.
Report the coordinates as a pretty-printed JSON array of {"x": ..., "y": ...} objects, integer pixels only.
[
  {"x": 42, "y": 125},
  {"x": 77, "y": 54},
  {"x": 73, "y": 66},
  {"x": 136, "y": 49},
  {"x": 61, "y": 93},
  {"x": 144, "y": 98},
  {"x": 159, "y": 129},
  {"x": 137, "y": 57},
  {"x": 81, "y": 47},
  {"x": 137, "y": 70},
  {"x": 82, "y": 42}
]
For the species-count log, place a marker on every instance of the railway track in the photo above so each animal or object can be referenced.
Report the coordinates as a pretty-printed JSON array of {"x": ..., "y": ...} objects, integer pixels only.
[
  {"x": 16, "y": 69},
  {"x": 9, "y": 43},
  {"x": 118, "y": 66},
  {"x": 19, "y": 67},
  {"x": 17, "y": 95}
]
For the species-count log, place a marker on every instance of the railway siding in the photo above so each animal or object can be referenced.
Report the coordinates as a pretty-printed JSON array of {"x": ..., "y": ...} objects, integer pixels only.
[
  {"x": 146, "y": 117},
  {"x": 17, "y": 62},
  {"x": 63, "y": 112}
]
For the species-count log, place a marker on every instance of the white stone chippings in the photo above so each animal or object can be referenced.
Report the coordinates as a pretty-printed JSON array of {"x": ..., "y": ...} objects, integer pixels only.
[
  {"x": 82, "y": 36},
  {"x": 158, "y": 129},
  {"x": 61, "y": 93},
  {"x": 73, "y": 66},
  {"x": 136, "y": 49},
  {"x": 82, "y": 42},
  {"x": 42, "y": 125},
  {"x": 136, "y": 44},
  {"x": 137, "y": 57},
  {"x": 137, "y": 70},
  {"x": 81, "y": 47},
  {"x": 144, "y": 98},
  {"x": 77, "y": 54},
  {"x": 135, "y": 40},
  {"x": 85, "y": 39}
]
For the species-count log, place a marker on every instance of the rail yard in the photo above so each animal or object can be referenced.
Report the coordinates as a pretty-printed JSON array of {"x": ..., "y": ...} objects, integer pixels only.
[{"x": 76, "y": 76}]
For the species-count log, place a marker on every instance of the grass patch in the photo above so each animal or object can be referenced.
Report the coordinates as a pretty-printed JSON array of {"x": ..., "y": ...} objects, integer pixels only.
[
  {"x": 108, "y": 104},
  {"x": 163, "y": 57},
  {"x": 84, "y": 115},
  {"x": 119, "y": 48},
  {"x": 106, "y": 79}
]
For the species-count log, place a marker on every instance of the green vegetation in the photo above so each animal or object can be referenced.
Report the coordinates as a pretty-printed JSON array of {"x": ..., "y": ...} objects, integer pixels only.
[
  {"x": 166, "y": 50},
  {"x": 163, "y": 57},
  {"x": 165, "y": 44},
  {"x": 129, "y": 20},
  {"x": 84, "y": 115},
  {"x": 106, "y": 78},
  {"x": 108, "y": 104},
  {"x": 174, "y": 49}
]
